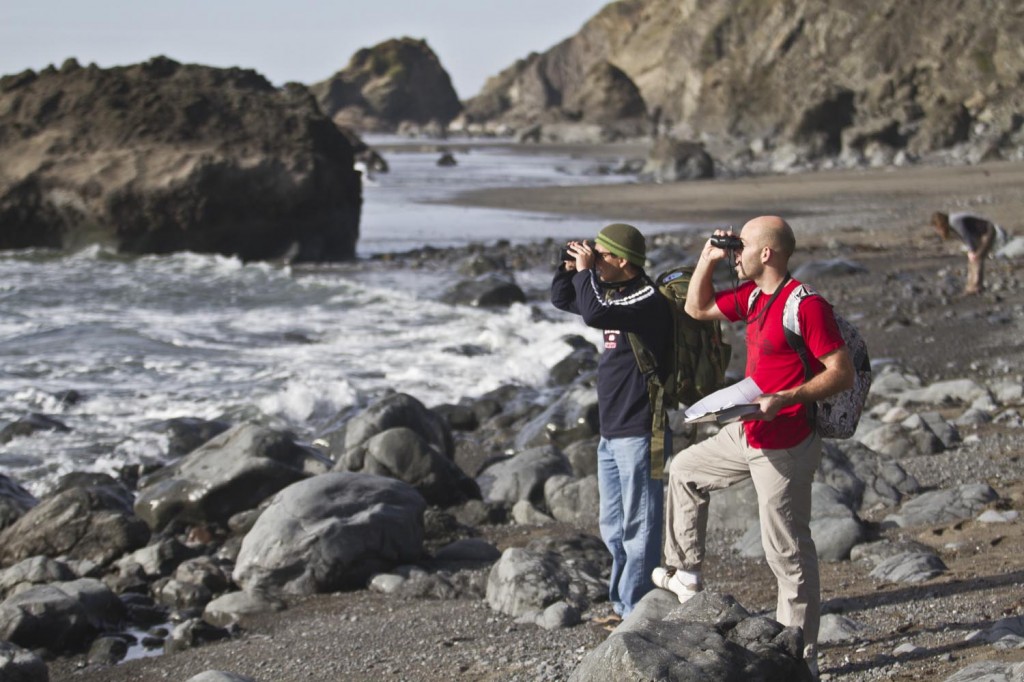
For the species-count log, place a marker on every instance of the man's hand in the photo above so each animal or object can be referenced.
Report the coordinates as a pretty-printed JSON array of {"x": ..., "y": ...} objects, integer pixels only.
[
  {"x": 584, "y": 256},
  {"x": 711, "y": 252},
  {"x": 770, "y": 404}
]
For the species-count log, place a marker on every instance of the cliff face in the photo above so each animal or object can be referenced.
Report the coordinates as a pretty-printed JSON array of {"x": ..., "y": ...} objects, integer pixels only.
[
  {"x": 394, "y": 84},
  {"x": 831, "y": 76},
  {"x": 160, "y": 157}
]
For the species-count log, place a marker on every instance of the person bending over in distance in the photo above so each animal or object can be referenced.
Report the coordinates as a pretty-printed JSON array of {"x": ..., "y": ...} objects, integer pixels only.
[{"x": 978, "y": 235}]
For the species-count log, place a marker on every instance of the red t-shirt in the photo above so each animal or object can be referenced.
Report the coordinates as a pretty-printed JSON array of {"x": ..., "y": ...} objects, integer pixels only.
[{"x": 773, "y": 364}]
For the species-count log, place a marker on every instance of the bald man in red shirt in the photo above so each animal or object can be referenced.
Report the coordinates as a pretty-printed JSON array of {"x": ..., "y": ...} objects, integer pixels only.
[{"x": 777, "y": 447}]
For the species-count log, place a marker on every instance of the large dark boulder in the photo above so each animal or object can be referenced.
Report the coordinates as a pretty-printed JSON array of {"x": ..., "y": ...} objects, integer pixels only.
[
  {"x": 14, "y": 501},
  {"x": 233, "y": 472},
  {"x": 94, "y": 525},
  {"x": 61, "y": 616},
  {"x": 404, "y": 454},
  {"x": 162, "y": 157},
  {"x": 331, "y": 532},
  {"x": 393, "y": 83}
]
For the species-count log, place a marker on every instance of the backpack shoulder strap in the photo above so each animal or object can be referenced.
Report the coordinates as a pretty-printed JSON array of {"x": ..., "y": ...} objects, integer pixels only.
[{"x": 791, "y": 325}]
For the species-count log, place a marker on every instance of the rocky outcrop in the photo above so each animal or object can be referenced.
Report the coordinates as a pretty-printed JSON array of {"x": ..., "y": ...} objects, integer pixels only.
[
  {"x": 759, "y": 77},
  {"x": 230, "y": 473},
  {"x": 395, "y": 84},
  {"x": 161, "y": 157}
]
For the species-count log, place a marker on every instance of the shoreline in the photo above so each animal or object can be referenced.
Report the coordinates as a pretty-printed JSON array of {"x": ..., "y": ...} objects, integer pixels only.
[{"x": 876, "y": 200}]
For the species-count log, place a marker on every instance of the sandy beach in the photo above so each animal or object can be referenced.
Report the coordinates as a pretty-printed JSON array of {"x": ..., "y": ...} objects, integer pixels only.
[
  {"x": 884, "y": 202},
  {"x": 907, "y": 304}
]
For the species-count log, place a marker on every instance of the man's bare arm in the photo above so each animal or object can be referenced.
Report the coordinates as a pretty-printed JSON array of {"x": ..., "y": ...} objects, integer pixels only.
[
  {"x": 837, "y": 376},
  {"x": 700, "y": 296}
]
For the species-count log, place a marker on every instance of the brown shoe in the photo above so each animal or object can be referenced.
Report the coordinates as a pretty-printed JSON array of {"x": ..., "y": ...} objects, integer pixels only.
[{"x": 607, "y": 622}]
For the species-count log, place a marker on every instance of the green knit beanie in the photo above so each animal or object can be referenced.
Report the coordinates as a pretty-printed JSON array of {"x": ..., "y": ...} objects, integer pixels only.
[{"x": 624, "y": 241}]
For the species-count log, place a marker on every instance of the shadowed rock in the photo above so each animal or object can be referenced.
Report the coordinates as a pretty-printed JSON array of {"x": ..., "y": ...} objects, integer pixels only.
[{"x": 162, "y": 157}]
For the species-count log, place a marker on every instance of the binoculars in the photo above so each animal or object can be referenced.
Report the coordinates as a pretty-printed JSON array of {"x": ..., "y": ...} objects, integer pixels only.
[
  {"x": 564, "y": 254},
  {"x": 729, "y": 242}
]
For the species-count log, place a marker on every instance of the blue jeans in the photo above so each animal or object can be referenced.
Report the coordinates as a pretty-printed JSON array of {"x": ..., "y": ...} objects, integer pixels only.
[{"x": 632, "y": 509}]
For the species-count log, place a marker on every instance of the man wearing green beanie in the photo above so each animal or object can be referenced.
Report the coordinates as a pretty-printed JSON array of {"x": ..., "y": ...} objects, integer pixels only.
[{"x": 604, "y": 283}]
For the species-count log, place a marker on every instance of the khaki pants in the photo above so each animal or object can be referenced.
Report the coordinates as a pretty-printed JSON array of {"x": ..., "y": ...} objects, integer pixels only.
[{"x": 782, "y": 479}]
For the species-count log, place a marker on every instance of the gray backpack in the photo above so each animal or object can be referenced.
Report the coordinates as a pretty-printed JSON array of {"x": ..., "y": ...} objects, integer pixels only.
[{"x": 836, "y": 416}]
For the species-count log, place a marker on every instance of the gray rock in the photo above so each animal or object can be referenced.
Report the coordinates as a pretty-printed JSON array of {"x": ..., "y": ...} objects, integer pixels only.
[
  {"x": 874, "y": 553},
  {"x": 26, "y": 426},
  {"x": 486, "y": 291},
  {"x": 469, "y": 550},
  {"x": 944, "y": 506},
  {"x": 220, "y": 676},
  {"x": 21, "y": 665},
  {"x": 107, "y": 651},
  {"x": 989, "y": 671},
  {"x": 896, "y": 441},
  {"x": 1014, "y": 248},
  {"x": 951, "y": 392},
  {"x": 14, "y": 501},
  {"x": 865, "y": 478},
  {"x": 228, "y": 608},
  {"x": 391, "y": 412},
  {"x": 559, "y": 615},
  {"x": 673, "y": 160},
  {"x": 1005, "y": 633},
  {"x": 833, "y": 267},
  {"x": 185, "y": 434},
  {"x": 946, "y": 432},
  {"x": 233, "y": 472},
  {"x": 37, "y": 570},
  {"x": 582, "y": 456},
  {"x": 571, "y": 418},
  {"x": 529, "y": 579},
  {"x": 892, "y": 381},
  {"x": 330, "y": 532},
  {"x": 182, "y": 595},
  {"x": 573, "y": 500},
  {"x": 525, "y": 514},
  {"x": 192, "y": 632},
  {"x": 912, "y": 567},
  {"x": 835, "y": 629},
  {"x": 158, "y": 558},
  {"x": 689, "y": 644},
  {"x": 403, "y": 454},
  {"x": 93, "y": 525},
  {"x": 522, "y": 476},
  {"x": 60, "y": 616}
]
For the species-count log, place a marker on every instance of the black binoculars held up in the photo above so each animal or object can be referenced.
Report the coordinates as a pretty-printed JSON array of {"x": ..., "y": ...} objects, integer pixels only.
[
  {"x": 727, "y": 241},
  {"x": 564, "y": 254}
]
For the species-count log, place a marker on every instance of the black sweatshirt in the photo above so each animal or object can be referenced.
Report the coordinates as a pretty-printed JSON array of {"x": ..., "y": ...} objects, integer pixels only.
[{"x": 634, "y": 306}]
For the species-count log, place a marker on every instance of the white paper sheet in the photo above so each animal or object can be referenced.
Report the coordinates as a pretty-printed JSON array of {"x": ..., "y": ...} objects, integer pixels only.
[{"x": 727, "y": 404}]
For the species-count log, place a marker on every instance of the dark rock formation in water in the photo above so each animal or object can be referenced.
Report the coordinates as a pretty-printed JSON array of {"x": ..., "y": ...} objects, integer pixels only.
[
  {"x": 396, "y": 84},
  {"x": 162, "y": 157}
]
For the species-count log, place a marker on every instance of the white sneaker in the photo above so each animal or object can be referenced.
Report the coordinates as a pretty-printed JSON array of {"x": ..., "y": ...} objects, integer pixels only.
[{"x": 684, "y": 584}]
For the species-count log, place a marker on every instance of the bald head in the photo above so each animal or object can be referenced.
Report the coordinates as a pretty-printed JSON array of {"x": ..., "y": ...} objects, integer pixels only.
[{"x": 771, "y": 231}]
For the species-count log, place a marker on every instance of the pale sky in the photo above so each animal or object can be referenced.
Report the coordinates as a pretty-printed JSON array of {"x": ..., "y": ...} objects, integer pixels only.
[{"x": 297, "y": 40}]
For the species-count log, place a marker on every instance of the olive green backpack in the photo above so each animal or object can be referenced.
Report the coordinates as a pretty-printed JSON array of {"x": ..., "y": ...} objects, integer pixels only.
[{"x": 697, "y": 363}]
